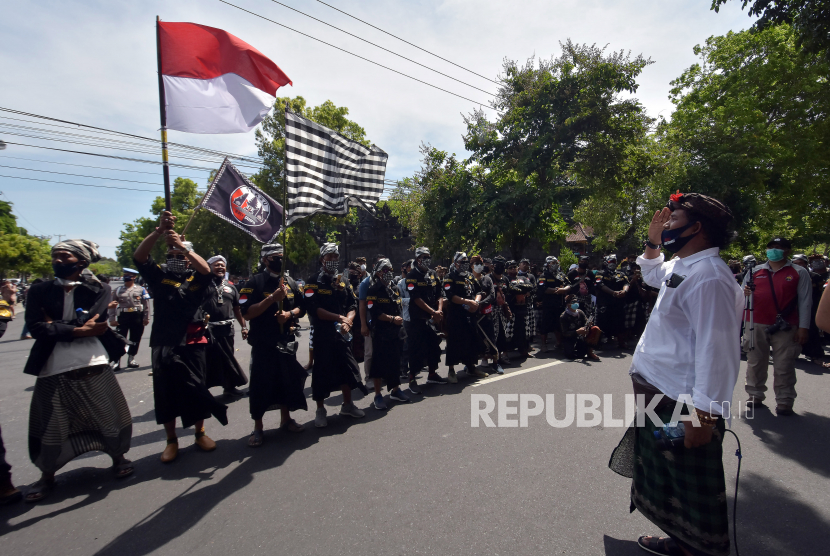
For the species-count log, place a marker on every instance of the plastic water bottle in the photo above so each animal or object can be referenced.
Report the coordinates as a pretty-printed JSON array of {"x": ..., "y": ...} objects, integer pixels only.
[{"x": 347, "y": 335}]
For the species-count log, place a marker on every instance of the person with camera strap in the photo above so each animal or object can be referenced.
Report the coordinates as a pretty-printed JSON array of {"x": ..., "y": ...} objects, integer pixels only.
[{"x": 782, "y": 308}]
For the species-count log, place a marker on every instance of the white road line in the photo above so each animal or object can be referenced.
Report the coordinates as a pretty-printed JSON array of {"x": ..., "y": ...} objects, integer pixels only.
[{"x": 516, "y": 373}]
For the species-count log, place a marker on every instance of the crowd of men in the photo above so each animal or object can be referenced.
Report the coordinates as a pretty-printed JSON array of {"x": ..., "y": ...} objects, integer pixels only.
[{"x": 487, "y": 311}]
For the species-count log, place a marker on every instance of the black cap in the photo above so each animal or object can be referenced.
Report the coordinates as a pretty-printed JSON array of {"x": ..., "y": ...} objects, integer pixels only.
[{"x": 782, "y": 241}]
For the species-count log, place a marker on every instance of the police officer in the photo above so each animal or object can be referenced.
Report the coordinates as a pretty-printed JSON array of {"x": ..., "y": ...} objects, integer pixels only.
[
  {"x": 222, "y": 307},
  {"x": 426, "y": 312},
  {"x": 273, "y": 307},
  {"x": 462, "y": 341},
  {"x": 178, "y": 337},
  {"x": 550, "y": 293},
  {"x": 131, "y": 315},
  {"x": 332, "y": 305},
  {"x": 611, "y": 290}
]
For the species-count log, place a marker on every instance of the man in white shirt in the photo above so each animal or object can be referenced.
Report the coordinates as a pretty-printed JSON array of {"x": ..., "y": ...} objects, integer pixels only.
[{"x": 689, "y": 351}]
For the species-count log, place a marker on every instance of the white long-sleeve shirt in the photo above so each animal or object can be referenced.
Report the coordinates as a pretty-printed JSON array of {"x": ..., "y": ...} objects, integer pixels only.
[{"x": 691, "y": 343}]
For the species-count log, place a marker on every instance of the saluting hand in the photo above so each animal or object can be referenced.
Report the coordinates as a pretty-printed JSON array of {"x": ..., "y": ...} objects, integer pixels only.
[{"x": 655, "y": 228}]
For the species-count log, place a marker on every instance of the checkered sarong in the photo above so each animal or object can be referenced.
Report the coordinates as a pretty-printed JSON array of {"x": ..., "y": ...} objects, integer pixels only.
[
  {"x": 530, "y": 324},
  {"x": 503, "y": 324},
  {"x": 683, "y": 492},
  {"x": 630, "y": 314}
]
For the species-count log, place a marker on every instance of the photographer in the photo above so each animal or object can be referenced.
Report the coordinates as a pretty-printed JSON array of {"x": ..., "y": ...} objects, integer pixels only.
[
  {"x": 782, "y": 322},
  {"x": 688, "y": 350}
]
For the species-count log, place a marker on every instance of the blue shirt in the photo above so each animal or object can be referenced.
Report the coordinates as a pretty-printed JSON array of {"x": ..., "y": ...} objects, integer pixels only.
[{"x": 363, "y": 289}]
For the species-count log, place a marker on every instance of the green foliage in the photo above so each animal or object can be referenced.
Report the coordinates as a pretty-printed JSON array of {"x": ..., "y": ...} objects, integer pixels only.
[
  {"x": 563, "y": 124},
  {"x": 751, "y": 123},
  {"x": 107, "y": 267},
  {"x": 24, "y": 254},
  {"x": 566, "y": 259},
  {"x": 810, "y": 20},
  {"x": 8, "y": 221}
]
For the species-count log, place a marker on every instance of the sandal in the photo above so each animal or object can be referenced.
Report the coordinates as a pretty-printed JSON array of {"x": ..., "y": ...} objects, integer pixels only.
[
  {"x": 292, "y": 426},
  {"x": 663, "y": 546},
  {"x": 123, "y": 469},
  {"x": 39, "y": 490},
  {"x": 255, "y": 440}
]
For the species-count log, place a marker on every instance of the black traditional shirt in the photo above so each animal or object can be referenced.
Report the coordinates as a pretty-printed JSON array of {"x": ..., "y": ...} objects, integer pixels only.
[
  {"x": 265, "y": 329},
  {"x": 460, "y": 284},
  {"x": 615, "y": 280},
  {"x": 330, "y": 292},
  {"x": 423, "y": 286},
  {"x": 571, "y": 323},
  {"x": 550, "y": 280},
  {"x": 177, "y": 300},
  {"x": 381, "y": 299}
]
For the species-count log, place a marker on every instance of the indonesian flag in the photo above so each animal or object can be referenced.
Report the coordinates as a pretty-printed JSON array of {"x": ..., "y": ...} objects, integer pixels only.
[{"x": 213, "y": 81}]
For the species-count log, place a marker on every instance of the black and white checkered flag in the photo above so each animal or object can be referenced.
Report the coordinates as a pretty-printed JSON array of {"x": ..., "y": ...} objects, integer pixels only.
[{"x": 328, "y": 173}]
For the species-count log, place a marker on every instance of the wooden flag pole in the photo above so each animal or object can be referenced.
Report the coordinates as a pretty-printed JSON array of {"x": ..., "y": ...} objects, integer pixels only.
[
  {"x": 284, "y": 213},
  {"x": 163, "y": 113}
]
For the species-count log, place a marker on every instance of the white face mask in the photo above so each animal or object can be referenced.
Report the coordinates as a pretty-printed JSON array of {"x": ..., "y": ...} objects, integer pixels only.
[
  {"x": 478, "y": 268},
  {"x": 363, "y": 267}
]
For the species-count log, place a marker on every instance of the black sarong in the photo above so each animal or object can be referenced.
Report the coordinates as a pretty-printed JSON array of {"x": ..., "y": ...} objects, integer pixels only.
[
  {"x": 386, "y": 357},
  {"x": 462, "y": 340},
  {"x": 222, "y": 367},
  {"x": 611, "y": 316},
  {"x": 424, "y": 346},
  {"x": 334, "y": 364},
  {"x": 179, "y": 386},
  {"x": 277, "y": 381}
]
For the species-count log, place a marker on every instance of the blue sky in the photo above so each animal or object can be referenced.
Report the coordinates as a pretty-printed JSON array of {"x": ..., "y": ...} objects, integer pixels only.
[{"x": 95, "y": 63}]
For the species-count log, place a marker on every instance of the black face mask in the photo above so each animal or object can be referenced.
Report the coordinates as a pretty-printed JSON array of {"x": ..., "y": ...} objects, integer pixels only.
[
  {"x": 354, "y": 279},
  {"x": 65, "y": 270},
  {"x": 127, "y": 279},
  {"x": 498, "y": 268},
  {"x": 672, "y": 242},
  {"x": 275, "y": 265}
]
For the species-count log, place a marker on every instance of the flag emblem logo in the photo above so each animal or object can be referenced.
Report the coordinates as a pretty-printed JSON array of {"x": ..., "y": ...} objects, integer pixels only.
[
  {"x": 243, "y": 298},
  {"x": 447, "y": 286},
  {"x": 410, "y": 286},
  {"x": 369, "y": 304},
  {"x": 309, "y": 292},
  {"x": 249, "y": 207}
]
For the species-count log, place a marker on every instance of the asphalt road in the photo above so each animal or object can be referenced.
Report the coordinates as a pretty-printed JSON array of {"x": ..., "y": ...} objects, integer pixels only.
[{"x": 417, "y": 479}]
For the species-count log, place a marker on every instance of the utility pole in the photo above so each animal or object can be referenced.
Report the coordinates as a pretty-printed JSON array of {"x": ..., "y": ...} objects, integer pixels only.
[{"x": 60, "y": 236}]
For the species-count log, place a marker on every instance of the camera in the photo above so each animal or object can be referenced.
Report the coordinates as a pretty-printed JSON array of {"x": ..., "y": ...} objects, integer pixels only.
[{"x": 780, "y": 324}]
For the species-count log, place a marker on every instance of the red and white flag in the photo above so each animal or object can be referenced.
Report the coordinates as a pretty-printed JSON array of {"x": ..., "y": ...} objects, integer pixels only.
[{"x": 214, "y": 82}]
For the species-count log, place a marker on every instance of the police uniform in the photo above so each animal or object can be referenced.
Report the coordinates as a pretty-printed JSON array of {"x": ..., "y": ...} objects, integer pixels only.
[
  {"x": 387, "y": 343},
  {"x": 423, "y": 343},
  {"x": 277, "y": 378},
  {"x": 132, "y": 311},
  {"x": 462, "y": 340},
  {"x": 5, "y": 316},
  {"x": 178, "y": 341},
  {"x": 610, "y": 310},
  {"x": 222, "y": 367},
  {"x": 334, "y": 363}
]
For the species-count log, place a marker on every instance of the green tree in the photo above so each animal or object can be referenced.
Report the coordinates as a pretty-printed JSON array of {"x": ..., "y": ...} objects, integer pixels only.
[
  {"x": 107, "y": 267},
  {"x": 23, "y": 254},
  {"x": 809, "y": 18},
  {"x": 752, "y": 129}
]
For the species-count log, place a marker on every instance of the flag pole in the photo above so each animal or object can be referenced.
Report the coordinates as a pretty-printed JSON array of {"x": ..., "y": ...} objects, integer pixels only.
[
  {"x": 284, "y": 213},
  {"x": 163, "y": 113}
]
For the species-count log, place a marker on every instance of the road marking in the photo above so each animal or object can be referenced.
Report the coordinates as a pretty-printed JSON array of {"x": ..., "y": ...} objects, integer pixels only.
[{"x": 516, "y": 373}]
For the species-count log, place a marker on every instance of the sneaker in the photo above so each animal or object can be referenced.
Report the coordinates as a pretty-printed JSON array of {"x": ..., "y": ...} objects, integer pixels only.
[
  {"x": 379, "y": 403},
  {"x": 498, "y": 368},
  {"x": 413, "y": 387},
  {"x": 235, "y": 392},
  {"x": 783, "y": 410},
  {"x": 320, "y": 420},
  {"x": 351, "y": 410},
  {"x": 452, "y": 378},
  {"x": 398, "y": 395},
  {"x": 131, "y": 363},
  {"x": 433, "y": 378}
]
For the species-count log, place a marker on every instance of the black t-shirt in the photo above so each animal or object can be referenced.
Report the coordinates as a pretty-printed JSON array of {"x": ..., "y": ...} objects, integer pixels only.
[
  {"x": 484, "y": 286},
  {"x": 177, "y": 301},
  {"x": 383, "y": 300},
  {"x": 265, "y": 329},
  {"x": 328, "y": 292},
  {"x": 221, "y": 301},
  {"x": 571, "y": 323},
  {"x": 615, "y": 280},
  {"x": 423, "y": 286},
  {"x": 554, "y": 281},
  {"x": 518, "y": 290}
]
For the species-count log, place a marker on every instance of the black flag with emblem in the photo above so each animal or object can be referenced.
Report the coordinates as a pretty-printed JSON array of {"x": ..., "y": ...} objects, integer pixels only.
[{"x": 233, "y": 198}]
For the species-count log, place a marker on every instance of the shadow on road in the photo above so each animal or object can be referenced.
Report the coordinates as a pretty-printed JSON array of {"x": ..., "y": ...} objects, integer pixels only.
[{"x": 800, "y": 437}]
